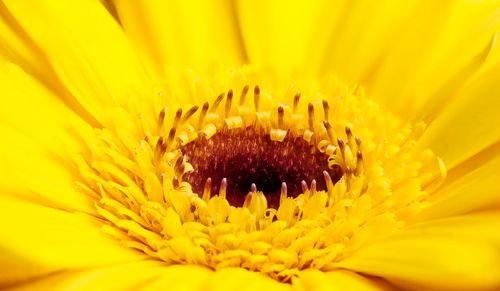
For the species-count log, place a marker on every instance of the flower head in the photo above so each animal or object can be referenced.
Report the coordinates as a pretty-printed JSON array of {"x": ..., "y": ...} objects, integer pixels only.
[{"x": 142, "y": 153}]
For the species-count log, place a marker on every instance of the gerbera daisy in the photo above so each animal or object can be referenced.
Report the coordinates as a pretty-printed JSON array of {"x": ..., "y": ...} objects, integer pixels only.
[{"x": 222, "y": 145}]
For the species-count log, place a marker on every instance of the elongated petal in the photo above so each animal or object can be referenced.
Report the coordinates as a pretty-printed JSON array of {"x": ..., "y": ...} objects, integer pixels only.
[
  {"x": 438, "y": 40},
  {"x": 36, "y": 128},
  {"x": 37, "y": 240},
  {"x": 452, "y": 254},
  {"x": 188, "y": 34},
  {"x": 337, "y": 280},
  {"x": 180, "y": 277},
  {"x": 232, "y": 278},
  {"x": 124, "y": 276},
  {"x": 468, "y": 125},
  {"x": 279, "y": 33},
  {"x": 478, "y": 189},
  {"x": 75, "y": 51}
]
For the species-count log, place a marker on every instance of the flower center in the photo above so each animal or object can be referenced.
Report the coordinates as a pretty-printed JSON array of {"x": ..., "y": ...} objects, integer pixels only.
[
  {"x": 276, "y": 183},
  {"x": 247, "y": 156}
]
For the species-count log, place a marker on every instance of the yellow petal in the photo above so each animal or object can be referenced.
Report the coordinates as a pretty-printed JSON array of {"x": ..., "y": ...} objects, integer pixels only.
[
  {"x": 17, "y": 47},
  {"x": 278, "y": 33},
  {"x": 180, "y": 277},
  {"x": 37, "y": 129},
  {"x": 453, "y": 254},
  {"x": 190, "y": 34},
  {"x": 118, "y": 277},
  {"x": 437, "y": 41},
  {"x": 338, "y": 280},
  {"x": 37, "y": 240},
  {"x": 468, "y": 125},
  {"x": 97, "y": 75},
  {"x": 361, "y": 35},
  {"x": 241, "y": 279},
  {"x": 477, "y": 189}
]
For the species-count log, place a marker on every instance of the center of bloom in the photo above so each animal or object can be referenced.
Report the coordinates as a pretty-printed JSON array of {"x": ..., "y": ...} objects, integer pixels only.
[
  {"x": 274, "y": 183},
  {"x": 245, "y": 156}
]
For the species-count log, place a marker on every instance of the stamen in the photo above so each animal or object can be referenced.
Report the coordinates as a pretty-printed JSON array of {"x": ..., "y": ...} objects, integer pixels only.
[
  {"x": 313, "y": 188},
  {"x": 175, "y": 182},
  {"x": 296, "y": 100},
  {"x": 203, "y": 114},
  {"x": 256, "y": 98},
  {"x": 207, "y": 189},
  {"x": 326, "y": 109},
  {"x": 171, "y": 136},
  {"x": 281, "y": 116},
  {"x": 329, "y": 183},
  {"x": 359, "y": 163},
  {"x": 284, "y": 192},
  {"x": 189, "y": 113},
  {"x": 329, "y": 130},
  {"x": 223, "y": 188},
  {"x": 229, "y": 101},
  {"x": 243, "y": 94},
  {"x": 177, "y": 117},
  {"x": 304, "y": 186},
  {"x": 217, "y": 101},
  {"x": 310, "y": 111},
  {"x": 161, "y": 119}
]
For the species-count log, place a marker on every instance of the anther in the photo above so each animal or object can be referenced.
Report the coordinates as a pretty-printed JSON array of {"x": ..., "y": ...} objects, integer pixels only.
[
  {"x": 217, "y": 101},
  {"x": 243, "y": 95},
  {"x": 359, "y": 163},
  {"x": 175, "y": 182},
  {"x": 171, "y": 136},
  {"x": 310, "y": 111},
  {"x": 329, "y": 130},
  {"x": 283, "y": 192},
  {"x": 177, "y": 117},
  {"x": 348, "y": 174},
  {"x": 159, "y": 148},
  {"x": 207, "y": 190},
  {"x": 189, "y": 113},
  {"x": 326, "y": 109},
  {"x": 328, "y": 183},
  {"x": 313, "y": 187},
  {"x": 253, "y": 188},
  {"x": 161, "y": 118},
  {"x": 281, "y": 117},
  {"x": 341, "y": 144},
  {"x": 203, "y": 114},
  {"x": 223, "y": 188},
  {"x": 304, "y": 186},
  {"x": 229, "y": 101},
  {"x": 348, "y": 132},
  {"x": 358, "y": 141},
  {"x": 296, "y": 100},
  {"x": 256, "y": 98}
]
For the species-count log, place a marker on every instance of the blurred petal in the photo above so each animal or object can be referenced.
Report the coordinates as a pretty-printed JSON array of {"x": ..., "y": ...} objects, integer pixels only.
[
  {"x": 278, "y": 33},
  {"x": 88, "y": 70},
  {"x": 126, "y": 276},
  {"x": 468, "y": 125},
  {"x": 36, "y": 127},
  {"x": 452, "y": 254},
  {"x": 192, "y": 34},
  {"x": 475, "y": 190},
  {"x": 338, "y": 280},
  {"x": 241, "y": 279},
  {"x": 180, "y": 277},
  {"x": 37, "y": 240},
  {"x": 437, "y": 41}
]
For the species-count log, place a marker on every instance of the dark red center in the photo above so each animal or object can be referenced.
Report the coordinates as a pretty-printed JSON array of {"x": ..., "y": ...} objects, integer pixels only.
[{"x": 246, "y": 156}]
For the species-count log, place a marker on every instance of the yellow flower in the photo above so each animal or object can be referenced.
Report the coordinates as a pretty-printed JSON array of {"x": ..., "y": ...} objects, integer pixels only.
[{"x": 276, "y": 145}]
